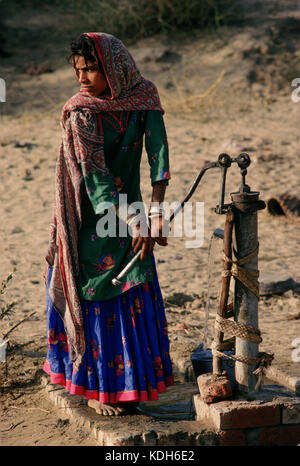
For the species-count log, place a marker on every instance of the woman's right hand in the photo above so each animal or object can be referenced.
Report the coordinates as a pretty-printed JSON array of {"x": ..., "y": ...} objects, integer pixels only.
[
  {"x": 139, "y": 241},
  {"x": 157, "y": 230}
]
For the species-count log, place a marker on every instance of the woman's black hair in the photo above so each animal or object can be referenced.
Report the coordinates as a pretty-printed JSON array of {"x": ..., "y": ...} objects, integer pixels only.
[{"x": 84, "y": 47}]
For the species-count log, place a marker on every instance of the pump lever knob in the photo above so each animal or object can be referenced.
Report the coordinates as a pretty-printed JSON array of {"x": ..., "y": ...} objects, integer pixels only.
[
  {"x": 243, "y": 160},
  {"x": 224, "y": 160}
]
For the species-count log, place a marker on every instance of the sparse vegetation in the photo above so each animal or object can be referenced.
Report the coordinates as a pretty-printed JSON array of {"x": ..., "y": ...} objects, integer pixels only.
[
  {"x": 133, "y": 19},
  {"x": 136, "y": 19},
  {"x": 6, "y": 310}
]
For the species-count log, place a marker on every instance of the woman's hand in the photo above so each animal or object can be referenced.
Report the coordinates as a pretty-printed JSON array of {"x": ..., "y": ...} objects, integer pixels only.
[
  {"x": 156, "y": 220},
  {"x": 157, "y": 230},
  {"x": 146, "y": 243},
  {"x": 156, "y": 233}
]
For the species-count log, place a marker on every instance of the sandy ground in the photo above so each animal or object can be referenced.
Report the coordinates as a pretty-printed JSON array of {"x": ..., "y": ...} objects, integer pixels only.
[{"x": 229, "y": 91}]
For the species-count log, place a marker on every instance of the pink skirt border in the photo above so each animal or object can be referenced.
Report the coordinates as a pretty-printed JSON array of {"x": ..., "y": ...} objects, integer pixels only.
[{"x": 133, "y": 395}]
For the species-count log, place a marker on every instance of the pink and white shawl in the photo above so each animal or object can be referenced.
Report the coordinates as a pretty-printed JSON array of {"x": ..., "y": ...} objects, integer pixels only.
[{"x": 82, "y": 145}]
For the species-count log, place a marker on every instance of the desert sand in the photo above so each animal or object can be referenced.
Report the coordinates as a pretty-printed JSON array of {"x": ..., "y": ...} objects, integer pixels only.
[{"x": 226, "y": 91}]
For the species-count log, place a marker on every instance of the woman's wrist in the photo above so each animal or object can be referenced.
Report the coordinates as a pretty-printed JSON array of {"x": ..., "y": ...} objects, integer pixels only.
[
  {"x": 156, "y": 211},
  {"x": 158, "y": 191}
]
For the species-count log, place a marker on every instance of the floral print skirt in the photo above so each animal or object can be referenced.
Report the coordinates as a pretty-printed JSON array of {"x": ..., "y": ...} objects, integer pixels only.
[{"x": 127, "y": 347}]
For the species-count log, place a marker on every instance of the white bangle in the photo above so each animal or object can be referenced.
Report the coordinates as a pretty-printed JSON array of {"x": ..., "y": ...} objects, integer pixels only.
[
  {"x": 156, "y": 210},
  {"x": 156, "y": 215},
  {"x": 131, "y": 219},
  {"x": 135, "y": 218}
]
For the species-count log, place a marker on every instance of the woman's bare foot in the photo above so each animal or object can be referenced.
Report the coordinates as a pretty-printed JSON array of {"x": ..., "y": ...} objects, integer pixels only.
[{"x": 106, "y": 409}]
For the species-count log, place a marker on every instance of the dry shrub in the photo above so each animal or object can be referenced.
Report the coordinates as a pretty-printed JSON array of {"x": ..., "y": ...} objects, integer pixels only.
[
  {"x": 6, "y": 310},
  {"x": 177, "y": 101},
  {"x": 142, "y": 18}
]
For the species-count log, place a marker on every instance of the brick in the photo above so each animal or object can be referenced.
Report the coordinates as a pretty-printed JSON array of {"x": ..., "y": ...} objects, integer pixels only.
[
  {"x": 213, "y": 387},
  {"x": 232, "y": 438},
  {"x": 114, "y": 439},
  {"x": 182, "y": 438},
  {"x": 269, "y": 437},
  {"x": 166, "y": 440},
  {"x": 173, "y": 438},
  {"x": 150, "y": 438},
  {"x": 248, "y": 416},
  {"x": 209, "y": 439},
  {"x": 252, "y": 436},
  {"x": 235, "y": 414},
  {"x": 202, "y": 409},
  {"x": 289, "y": 435},
  {"x": 291, "y": 413},
  {"x": 99, "y": 435},
  {"x": 280, "y": 436}
]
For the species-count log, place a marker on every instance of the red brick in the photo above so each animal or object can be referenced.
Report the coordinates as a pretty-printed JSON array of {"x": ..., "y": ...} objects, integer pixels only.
[
  {"x": 166, "y": 440},
  {"x": 150, "y": 438},
  {"x": 283, "y": 436},
  {"x": 248, "y": 416},
  {"x": 232, "y": 438},
  {"x": 213, "y": 387},
  {"x": 237, "y": 414},
  {"x": 291, "y": 412},
  {"x": 209, "y": 439},
  {"x": 269, "y": 437}
]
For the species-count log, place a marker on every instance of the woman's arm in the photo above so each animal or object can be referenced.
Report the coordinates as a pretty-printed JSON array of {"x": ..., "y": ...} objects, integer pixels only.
[
  {"x": 158, "y": 191},
  {"x": 158, "y": 157},
  {"x": 155, "y": 233},
  {"x": 157, "y": 220}
]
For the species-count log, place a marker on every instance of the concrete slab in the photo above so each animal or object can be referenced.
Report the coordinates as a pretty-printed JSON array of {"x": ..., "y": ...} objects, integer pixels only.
[
  {"x": 129, "y": 430},
  {"x": 277, "y": 375},
  {"x": 204, "y": 429}
]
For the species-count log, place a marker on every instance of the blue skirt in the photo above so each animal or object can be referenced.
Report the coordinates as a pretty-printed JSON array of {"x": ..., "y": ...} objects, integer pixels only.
[{"x": 127, "y": 347}]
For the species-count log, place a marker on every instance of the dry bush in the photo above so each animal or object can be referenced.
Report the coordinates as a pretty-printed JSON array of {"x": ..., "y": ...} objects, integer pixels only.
[
  {"x": 6, "y": 310},
  {"x": 178, "y": 102},
  {"x": 136, "y": 19}
]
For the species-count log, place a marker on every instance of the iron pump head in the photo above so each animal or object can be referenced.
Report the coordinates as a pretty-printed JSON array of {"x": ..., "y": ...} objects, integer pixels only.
[
  {"x": 246, "y": 200},
  {"x": 243, "y": 160},
  {"x": 224, "y": 162}
]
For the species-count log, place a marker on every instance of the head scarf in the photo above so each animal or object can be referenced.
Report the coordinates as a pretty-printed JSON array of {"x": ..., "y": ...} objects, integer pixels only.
[{"x": 128, "y": 91}]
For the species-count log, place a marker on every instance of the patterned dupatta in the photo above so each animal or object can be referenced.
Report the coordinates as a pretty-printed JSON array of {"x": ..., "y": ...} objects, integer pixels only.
[{"x": 81, "y": 147}]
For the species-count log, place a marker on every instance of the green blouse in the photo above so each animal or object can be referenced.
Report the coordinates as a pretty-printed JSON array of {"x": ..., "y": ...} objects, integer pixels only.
[{"x": 102, "y": 258}]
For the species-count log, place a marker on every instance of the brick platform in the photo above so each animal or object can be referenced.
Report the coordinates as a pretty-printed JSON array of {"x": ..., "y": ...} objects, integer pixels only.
[
  {"x": 132, "y": 430},
  {"x": 273, "y": 418},
  {"x": 270, "y": 418}
]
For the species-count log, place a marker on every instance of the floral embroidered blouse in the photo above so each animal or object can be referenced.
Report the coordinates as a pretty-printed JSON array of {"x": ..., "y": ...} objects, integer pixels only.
[{"x": 102, "y": 258}]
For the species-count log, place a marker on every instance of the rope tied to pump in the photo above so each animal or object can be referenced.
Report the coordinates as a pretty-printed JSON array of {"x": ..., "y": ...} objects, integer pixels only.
[
  {"x": 261, "y": 362},
  {"x": 238, "y": 329},
  {"x": 249, "y": 278}
]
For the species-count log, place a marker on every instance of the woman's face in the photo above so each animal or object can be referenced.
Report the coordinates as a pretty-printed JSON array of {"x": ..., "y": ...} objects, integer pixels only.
[{"x": 88, "y": 74}]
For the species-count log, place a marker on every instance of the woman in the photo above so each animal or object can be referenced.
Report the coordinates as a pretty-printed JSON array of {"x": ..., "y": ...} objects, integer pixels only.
[{"x": 107, "y": 343}]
